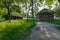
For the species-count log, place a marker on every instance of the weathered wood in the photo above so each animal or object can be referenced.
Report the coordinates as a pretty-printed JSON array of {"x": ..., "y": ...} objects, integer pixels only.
[{"x": 45, "y": 15}]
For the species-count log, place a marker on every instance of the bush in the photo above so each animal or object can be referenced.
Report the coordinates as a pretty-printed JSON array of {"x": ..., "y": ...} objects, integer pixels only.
[
  {"x": 52, "y": 21},
  {"x": 58, "y": 27},
  {"x": 16, "y": 30}
]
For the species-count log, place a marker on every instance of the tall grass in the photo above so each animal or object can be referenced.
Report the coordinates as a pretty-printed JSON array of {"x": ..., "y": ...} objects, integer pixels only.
[
  {"x": 16, "y": 30},
  {"x": 58, "y": 27},
  {"x": 52, "y": 21}
]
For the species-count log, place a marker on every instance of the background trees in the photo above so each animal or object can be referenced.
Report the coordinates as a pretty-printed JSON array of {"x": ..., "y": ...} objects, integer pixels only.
[{"x": 25, "y": 6}]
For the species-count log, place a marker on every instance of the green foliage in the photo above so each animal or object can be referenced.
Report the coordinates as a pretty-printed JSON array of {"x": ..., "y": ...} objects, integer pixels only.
[
  {"x": 49, "y": 2},
  {"x": 3, "y": 11},
  {"x": 12, "y": 5},
  {"x": 58, "y": 27},
  {"x": 41, "y": 1},
  {"x": 57, "y": 10},
  {"x": 52, "y": 21},
  {"x": 15, "y": 8},
  {"x": 16, "y": 30},
  {"x": 2, "y": 19}
]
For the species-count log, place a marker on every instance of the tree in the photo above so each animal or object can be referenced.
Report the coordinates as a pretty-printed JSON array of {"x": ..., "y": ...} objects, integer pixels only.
[
  {"x": 26, "y": 8},
  {"x": 10, "y": 6},
  {"x": 57, "y": 10},
  {"x": 32, "y": 9}
]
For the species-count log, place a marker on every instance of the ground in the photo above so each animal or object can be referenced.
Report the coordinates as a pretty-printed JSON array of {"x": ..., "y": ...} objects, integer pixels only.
[{"x": 44, "y": 31}]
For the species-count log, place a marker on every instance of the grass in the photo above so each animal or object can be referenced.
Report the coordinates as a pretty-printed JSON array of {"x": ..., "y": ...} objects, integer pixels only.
[
  {"x": 16, "y": 30},
  {"x": 53, "y": 21},
  {"x": 58, "y": 27}
]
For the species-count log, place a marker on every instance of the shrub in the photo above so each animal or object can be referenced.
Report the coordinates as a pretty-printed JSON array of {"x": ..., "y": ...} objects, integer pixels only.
[
  {"x": 58, "y": 27},
  {"x": 16, "y": 30},
  {"x": 52, "y": 21}
]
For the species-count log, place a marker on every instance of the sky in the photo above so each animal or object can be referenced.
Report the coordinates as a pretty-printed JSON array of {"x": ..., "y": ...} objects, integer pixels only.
[
  {"x": 53, "y": 5},
  {"x": 45, "y": 6}
]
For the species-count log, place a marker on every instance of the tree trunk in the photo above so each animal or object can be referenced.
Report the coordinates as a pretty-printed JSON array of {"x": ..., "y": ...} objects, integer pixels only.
[
  {"x": 8, "y": 9},
  {"x": 59, "y": 1},
  {"x": 9, "y": 14},
  {"x": 32, "y": 10},
  {"x": 26, "y": 9}
]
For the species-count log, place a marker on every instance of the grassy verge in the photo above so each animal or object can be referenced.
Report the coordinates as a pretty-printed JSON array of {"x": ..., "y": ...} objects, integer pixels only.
[
  {"x": 16, "y": 30},
  {"x": 52, "y": 21},
  {"x": 58, "y": 27}
]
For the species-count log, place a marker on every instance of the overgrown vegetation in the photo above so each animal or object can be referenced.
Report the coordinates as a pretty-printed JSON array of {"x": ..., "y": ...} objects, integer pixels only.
[
  {"x": 16, "y": 30},
  {"x": 58, "y": 27},
  {"x": 52, "y": 21}
]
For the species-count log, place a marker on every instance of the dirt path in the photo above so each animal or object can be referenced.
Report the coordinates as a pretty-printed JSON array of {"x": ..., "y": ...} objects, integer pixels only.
[{"x": 44, "y": 31}]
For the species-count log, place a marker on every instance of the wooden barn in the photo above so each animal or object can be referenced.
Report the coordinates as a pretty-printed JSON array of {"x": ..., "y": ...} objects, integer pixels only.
[
  {"x": 13, "y": 16},
  {"x": 45, "y": 14}
]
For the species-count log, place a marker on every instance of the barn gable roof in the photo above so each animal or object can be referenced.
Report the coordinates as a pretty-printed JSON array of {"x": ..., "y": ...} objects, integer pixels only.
[{"x": 45, "y": 11}]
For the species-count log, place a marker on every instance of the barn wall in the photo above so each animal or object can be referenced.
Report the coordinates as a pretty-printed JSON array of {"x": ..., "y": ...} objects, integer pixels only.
[{"x": 45, "y": 16}]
